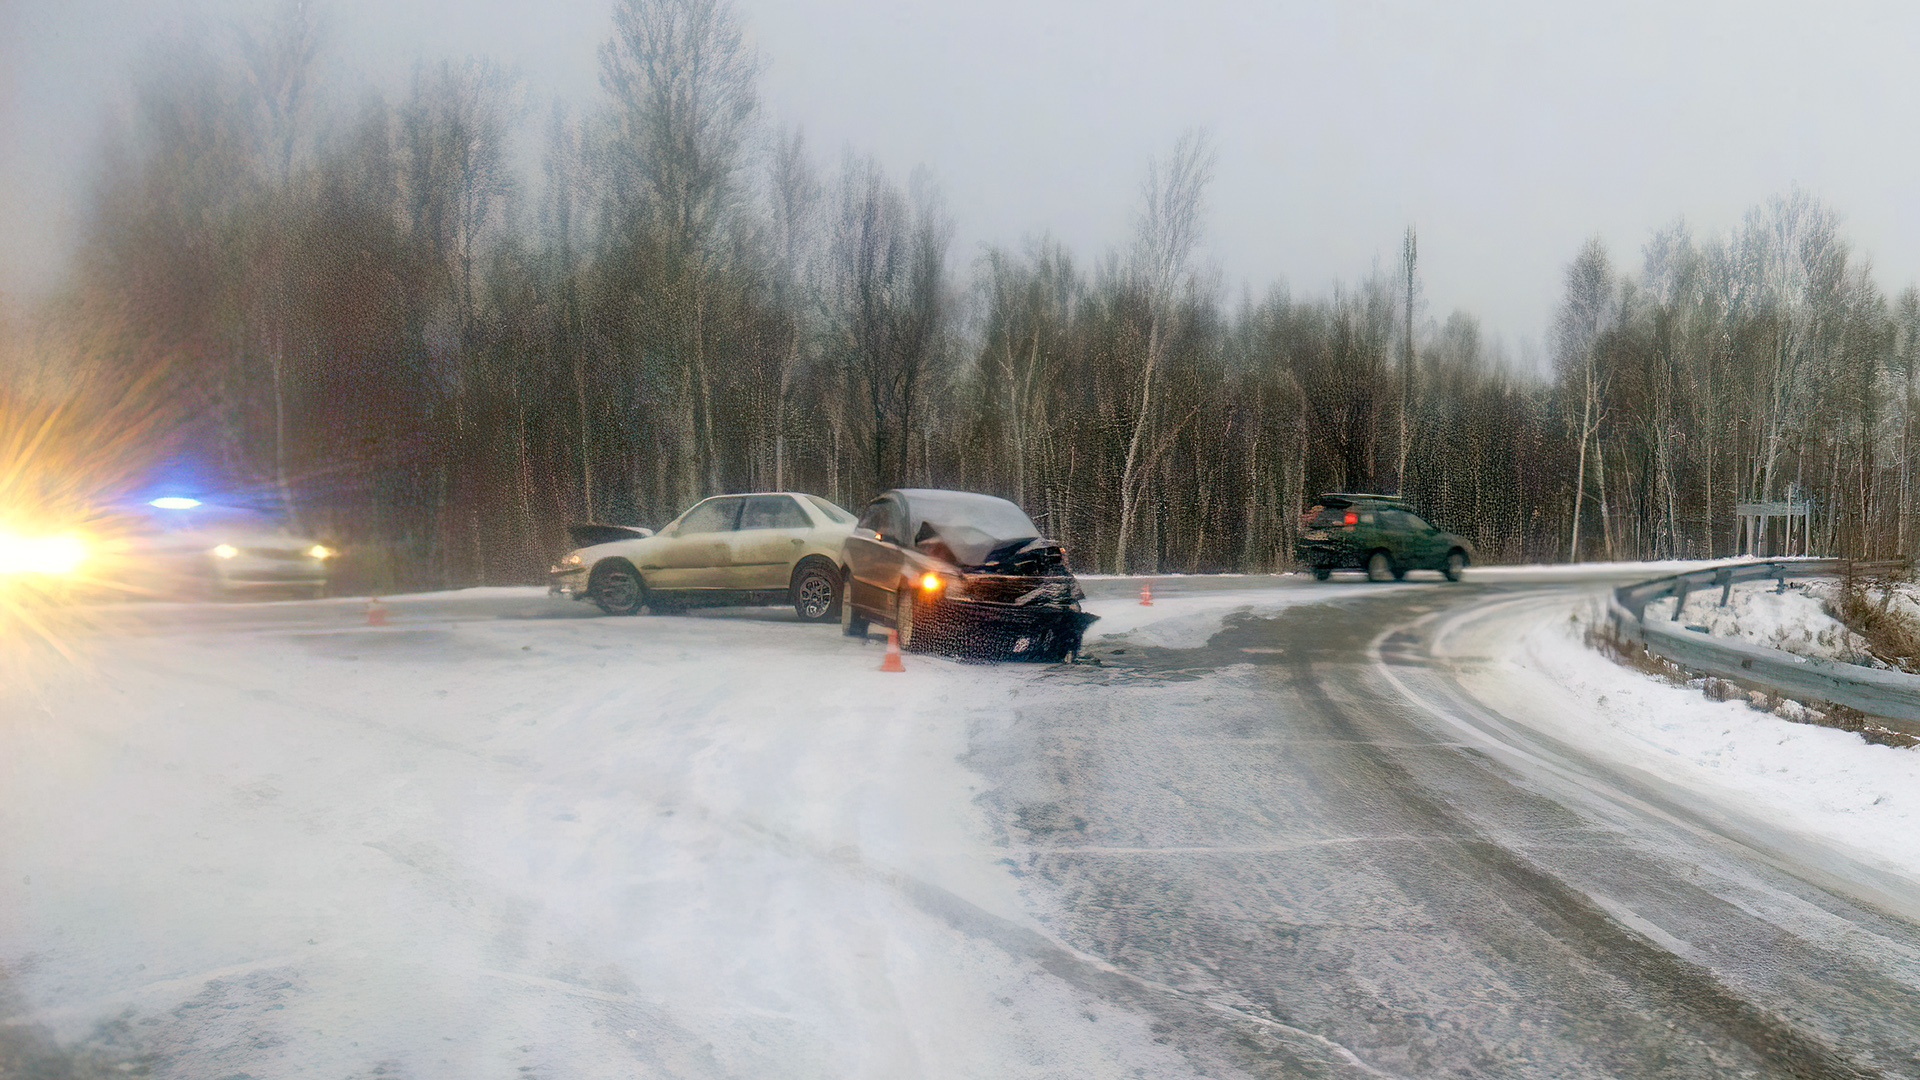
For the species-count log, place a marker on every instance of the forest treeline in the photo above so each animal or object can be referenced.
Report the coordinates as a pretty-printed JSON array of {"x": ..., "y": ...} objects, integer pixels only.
[{"x": 372, "y": 316}]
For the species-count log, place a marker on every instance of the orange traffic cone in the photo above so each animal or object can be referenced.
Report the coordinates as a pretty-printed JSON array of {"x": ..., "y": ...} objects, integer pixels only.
[
  {"x": 891, "y": 662},
  {"x": 1146, "y": 593},
  {"x": 376, "y": 612}
]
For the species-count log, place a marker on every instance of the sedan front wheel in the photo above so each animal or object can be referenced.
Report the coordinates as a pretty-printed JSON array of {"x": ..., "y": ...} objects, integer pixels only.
[{"x": 616, "y": 587}]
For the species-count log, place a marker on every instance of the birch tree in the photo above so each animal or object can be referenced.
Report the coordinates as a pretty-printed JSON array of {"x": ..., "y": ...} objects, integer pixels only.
[
  {"x": 1161, "y": 269},
  {"x": 1587, "y": 310},
  {"x": 683, "y": 84}
]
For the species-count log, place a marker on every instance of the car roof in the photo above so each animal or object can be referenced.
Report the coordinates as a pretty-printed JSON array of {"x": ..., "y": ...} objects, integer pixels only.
[
  {"x": 942, "y": 493},
  {"x": 1347, "y": 498}
]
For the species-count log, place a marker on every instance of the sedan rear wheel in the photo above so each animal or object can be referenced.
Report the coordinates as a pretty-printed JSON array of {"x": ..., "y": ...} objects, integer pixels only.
[
  {"x": 1379, "y": 567},
  {"x": 1456, "y": 564},
  {"x": 816, "y": 594}
]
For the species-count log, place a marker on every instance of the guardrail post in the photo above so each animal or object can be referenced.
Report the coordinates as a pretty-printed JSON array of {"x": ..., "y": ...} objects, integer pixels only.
[
  {"x": 1724, "y": 579},
  {"x": 1680, "y": 597}
]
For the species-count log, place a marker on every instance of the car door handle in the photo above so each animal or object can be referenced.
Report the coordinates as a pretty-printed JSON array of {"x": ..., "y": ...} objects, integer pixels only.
[{"x": 795, "y": 541}]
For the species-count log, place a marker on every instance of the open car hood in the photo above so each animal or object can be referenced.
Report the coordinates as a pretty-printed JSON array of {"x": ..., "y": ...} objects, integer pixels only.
[{"x": 590, "y": 534}]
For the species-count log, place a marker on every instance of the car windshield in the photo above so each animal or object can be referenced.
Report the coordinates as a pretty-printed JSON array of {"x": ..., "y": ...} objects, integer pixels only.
[{"x": 834, "y": 513}]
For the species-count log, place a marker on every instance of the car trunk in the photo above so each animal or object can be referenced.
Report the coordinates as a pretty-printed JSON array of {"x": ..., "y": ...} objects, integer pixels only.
[{"x": 1326, "y": 521}]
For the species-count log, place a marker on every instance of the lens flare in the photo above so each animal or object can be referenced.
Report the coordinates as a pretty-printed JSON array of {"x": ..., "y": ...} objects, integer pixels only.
[{"x": 40, "y": 554}]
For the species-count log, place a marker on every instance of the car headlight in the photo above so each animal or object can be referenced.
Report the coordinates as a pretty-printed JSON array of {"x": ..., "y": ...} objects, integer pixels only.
[
  {"x": 226, "y": 551},
  {"x": 572, "y": 559},
  {"x": 934, "y": 583},
  {"x": 320, "y": 551},
  {"x": 40, "y": 554}
]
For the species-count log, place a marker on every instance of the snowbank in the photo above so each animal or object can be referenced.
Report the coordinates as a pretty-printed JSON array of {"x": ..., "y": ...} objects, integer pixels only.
[
  {"x": 1757, "y": 612},
  {"x": 1815, "y": 781}
]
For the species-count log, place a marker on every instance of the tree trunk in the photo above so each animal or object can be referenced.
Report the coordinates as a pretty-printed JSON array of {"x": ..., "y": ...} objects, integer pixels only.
[{"x": 1130, "y": 479}]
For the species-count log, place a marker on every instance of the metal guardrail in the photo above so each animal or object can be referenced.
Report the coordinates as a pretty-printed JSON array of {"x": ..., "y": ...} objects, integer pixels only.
[{"x": 1891, "y": 696}]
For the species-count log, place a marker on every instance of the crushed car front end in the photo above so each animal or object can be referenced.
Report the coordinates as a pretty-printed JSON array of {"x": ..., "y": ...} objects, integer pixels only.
[
  {"x": 1022, "y": 604},
  {"x": 570, "y": 577}
]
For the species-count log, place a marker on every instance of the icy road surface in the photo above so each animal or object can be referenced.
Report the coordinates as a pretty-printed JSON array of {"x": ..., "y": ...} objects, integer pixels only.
[{"x": 501, "y": 837}]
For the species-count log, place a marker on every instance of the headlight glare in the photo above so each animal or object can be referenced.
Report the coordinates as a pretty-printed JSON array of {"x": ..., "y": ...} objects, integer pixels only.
[
  {"x": 226, "y": 551},
  {"x": 40, "y": 554},
  {"x": 320, "y": 551}
]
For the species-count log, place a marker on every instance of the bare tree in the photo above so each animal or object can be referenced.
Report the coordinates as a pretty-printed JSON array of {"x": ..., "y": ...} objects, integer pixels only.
[
  {"x": 1029, "y": 311},
  {"x": 1161, "y": 267},
  {"x": 1409, "y": 257},
  {"x": 1588, "y": 310},
  {"x": 794, "y": 192},
  {"x": 683, "y": 84},
  {"x": 890, "y": 285}
]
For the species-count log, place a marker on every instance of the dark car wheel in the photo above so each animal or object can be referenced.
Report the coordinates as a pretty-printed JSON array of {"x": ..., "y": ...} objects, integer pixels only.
[
  {"x": 616, "y": 588},
  {"x": 1379, "y": 567},
  {"x": 1322, "y": 573},
  {"x": 1456, "y": 563},
  {"x": 816, "y": 593},
  {"x": 852, "y": 624}
]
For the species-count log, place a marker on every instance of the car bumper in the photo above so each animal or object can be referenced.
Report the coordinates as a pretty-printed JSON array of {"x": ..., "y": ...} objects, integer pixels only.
[
  {"x": 246, "y": 574},
  {"x": 1009, "y": 629},
  {"x": 569, "y": 583},
  {"x": 1327, "y": 554}
]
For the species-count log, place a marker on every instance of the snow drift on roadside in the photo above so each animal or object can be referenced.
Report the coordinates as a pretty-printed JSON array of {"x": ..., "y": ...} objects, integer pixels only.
[
  {"x": 1757, "y": 612},
  {"x": 1813, "y": 780}
]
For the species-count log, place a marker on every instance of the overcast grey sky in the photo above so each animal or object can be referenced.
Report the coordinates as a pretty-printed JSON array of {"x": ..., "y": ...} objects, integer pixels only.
[{"x": 1504, "y": 132}]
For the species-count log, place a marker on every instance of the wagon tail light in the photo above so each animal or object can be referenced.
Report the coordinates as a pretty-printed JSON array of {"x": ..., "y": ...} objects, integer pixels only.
[{"x": 1351, "y": 519}]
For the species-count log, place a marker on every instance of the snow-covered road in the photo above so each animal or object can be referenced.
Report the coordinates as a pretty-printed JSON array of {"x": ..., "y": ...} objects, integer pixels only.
[
  {"x": 498, "y": 837},
  {"x": 590, "y": 847}
]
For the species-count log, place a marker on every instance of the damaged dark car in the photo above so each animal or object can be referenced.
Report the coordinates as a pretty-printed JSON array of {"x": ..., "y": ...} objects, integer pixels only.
[{"x": 963, "y": 574}]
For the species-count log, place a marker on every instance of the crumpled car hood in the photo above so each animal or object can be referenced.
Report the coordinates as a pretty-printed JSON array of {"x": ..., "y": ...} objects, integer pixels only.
[{"x": 966, "y": 545}]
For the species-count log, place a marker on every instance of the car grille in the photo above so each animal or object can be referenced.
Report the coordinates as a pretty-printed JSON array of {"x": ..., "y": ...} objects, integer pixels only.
[
  {"x": 1019, "y": 588},
  {"x": 278, "y": 554}
]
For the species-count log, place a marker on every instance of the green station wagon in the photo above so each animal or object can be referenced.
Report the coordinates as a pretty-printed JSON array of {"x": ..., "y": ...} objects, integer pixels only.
[{"x": 1379, "y": 534}]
